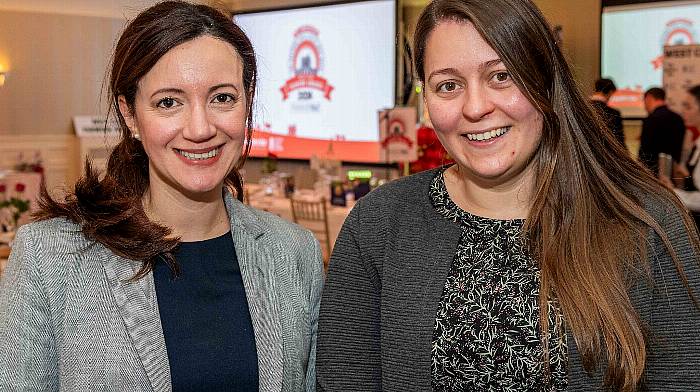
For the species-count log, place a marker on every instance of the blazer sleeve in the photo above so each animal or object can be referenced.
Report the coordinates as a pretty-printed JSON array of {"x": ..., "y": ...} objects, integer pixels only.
[
  {"x": 314, "y": 301},
  {"x": 28, "y": 357},
  {"x": 673, "y": 347},
  {"x": 349, "y": 346}
]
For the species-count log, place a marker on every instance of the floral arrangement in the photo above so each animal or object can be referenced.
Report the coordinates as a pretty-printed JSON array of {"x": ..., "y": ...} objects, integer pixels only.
[
  {"x": 34, "y": 165},
  {"x": 12, "y": 207}
]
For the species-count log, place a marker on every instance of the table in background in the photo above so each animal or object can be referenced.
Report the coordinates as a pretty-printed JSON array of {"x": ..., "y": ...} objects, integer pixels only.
[{"x": 280, "y": 206}]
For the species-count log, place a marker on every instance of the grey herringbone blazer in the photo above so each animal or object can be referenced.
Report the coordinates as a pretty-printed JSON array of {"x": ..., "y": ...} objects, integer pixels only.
[{"x": 71, "y": 321}]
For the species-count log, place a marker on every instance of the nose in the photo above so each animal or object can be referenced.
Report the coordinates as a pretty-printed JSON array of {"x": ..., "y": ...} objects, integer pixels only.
[
  {"x": 477, "y": 103},
  {"x": 199, "y": 128}
]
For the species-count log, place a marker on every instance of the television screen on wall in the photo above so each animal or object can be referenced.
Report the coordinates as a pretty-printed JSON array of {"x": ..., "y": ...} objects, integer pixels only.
[
  {"x": 633, "y": 35},
  {"x": 324, "y": 73}
]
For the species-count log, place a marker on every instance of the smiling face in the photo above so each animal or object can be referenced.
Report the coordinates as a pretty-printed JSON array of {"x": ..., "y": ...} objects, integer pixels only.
[
  {"x": 481, "y": 117},
  {"x": 190, "y": 114}
]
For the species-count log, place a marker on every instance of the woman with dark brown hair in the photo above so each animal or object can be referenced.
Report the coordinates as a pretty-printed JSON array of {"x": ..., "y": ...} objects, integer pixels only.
[
  {"x": 543, "y": 260},
  {"x": 156, "y": 277}
]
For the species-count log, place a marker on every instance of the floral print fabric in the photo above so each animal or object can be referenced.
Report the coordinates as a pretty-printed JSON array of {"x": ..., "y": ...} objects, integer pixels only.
[{"x": 487, "y": 329}]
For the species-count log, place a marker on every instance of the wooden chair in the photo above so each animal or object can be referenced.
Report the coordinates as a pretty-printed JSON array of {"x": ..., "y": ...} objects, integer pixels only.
[{"x": 314, "y": 216}]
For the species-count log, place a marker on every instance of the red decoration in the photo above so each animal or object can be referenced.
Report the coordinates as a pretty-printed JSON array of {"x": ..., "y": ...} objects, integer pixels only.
[
  {"x": 3, "y": 188},
  {"x": 19, "y": 187},
  {"x": 431, "y": 154}
]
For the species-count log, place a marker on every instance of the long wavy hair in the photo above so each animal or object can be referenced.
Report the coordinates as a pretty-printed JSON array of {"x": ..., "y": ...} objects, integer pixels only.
[
  {"x": 587, "y": 227},
  {"x": 109, "y": 210}
]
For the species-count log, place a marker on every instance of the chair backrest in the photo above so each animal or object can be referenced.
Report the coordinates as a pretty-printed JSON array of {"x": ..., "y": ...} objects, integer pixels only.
[{"x": 314, "y": 216}]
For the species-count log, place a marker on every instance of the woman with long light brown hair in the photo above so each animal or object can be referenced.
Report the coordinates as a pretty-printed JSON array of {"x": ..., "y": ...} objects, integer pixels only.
[{"x": 544, "y": 259}]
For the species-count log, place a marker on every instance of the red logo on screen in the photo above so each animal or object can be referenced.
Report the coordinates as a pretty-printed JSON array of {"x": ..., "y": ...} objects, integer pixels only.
[
  {"x": 678, "y": 32},
  {"x": 305, "y": 63},
  {"x": 396, "y": 134}
]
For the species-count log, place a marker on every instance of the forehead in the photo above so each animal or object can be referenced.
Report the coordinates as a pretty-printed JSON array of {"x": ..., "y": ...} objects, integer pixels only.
[
  {"x": 203, "y": 61},
  {"x": 456, "y": 44}
]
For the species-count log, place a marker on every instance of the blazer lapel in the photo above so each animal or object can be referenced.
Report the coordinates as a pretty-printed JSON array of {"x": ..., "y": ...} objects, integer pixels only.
[
  {"x": 139, "y": 308},
  {"x": 256, "y": 262}
]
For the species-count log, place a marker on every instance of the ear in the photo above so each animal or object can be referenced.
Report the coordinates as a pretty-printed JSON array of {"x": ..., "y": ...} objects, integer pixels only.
[{"x": 127, "y": 114}]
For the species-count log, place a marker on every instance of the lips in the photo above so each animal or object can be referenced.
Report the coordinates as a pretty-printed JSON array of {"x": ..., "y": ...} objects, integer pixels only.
[
  {"x": 487, "y": 135},
  {"x": 199, "y": 154}
]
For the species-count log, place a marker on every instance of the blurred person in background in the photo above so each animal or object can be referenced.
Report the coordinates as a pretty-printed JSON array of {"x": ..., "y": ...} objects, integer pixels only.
[
  {"x": 689, "y": 189},
  {"x": 663, "y": 131},
  {"x": 531, "y": 264},
  {"x": 604, "y": 89},
  {"x": 156, "y": 277}
]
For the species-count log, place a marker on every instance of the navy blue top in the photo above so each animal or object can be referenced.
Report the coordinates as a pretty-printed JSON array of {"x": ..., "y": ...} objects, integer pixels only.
[{"x": 206, "y": 321}]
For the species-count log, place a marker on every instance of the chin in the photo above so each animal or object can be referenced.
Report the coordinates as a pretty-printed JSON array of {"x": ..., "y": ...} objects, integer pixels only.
[{"x": 200, "y": 188}]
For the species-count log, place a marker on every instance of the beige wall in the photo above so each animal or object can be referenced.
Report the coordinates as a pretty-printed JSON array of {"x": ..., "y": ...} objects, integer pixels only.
[
  {"x": 57, "y": 64},
  {"x": 580, "y": 20}
]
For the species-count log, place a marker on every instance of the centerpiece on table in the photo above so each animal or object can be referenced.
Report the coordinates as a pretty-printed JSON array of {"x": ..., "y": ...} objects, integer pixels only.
[{"x": 12, "y": 207}]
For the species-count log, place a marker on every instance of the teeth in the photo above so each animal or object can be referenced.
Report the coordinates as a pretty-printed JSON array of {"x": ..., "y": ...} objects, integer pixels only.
[
  {"x": 199, "y": 157},
  {"x": 488, "y": 134}
]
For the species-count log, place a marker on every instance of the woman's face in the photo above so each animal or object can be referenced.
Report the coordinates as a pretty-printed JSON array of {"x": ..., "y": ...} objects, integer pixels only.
[
  {"x": 690, "y": 110},
  {"x": 482, "y": 119},
  {"x": 190, "y": 113}
]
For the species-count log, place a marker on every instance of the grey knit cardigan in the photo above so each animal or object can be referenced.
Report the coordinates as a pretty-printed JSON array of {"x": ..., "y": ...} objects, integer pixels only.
[{"x": 386, "y": 278}]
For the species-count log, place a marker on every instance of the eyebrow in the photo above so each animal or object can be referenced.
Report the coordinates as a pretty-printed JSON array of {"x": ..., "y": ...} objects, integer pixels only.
[
  {"x": 452, "y": 71},
  {"x": 172, "y": 90}
]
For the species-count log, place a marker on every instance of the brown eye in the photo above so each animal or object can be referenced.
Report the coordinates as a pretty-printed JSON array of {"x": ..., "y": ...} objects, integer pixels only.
[
  {"x": 447, "y": 87},
  {"x": 501, "y": 77}
]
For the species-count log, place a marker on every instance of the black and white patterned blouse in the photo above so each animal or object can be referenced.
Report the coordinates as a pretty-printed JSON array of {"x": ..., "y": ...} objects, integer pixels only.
[{"x": 487, "y": 329}]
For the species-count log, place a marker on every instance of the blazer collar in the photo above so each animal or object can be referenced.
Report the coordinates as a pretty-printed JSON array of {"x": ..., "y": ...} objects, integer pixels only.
[
  {"x": 138, "y": 304},
  {"x": 257, "y": 259},
  {"x": 139, "y": 309}
]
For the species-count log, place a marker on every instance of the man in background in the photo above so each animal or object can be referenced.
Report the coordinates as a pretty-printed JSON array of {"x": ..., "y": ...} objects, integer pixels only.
[
  {"x": 604, "y": 89},
  {"x": 662, "y": 131}
]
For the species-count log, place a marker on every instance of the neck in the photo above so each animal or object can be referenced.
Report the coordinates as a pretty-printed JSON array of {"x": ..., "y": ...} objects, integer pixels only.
[
  {"x": 656, "y": 106},
  {"x": 189, "y": 218},
  {"x": 599, "y": 97},
  {"x": 505, "y": 200}
]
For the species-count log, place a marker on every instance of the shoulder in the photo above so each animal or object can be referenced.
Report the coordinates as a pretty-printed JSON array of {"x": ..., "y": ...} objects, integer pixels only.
[
  {"x": 55, "y": 233},
  {"x": 406, "y": 191},
  {"x": 401, "y": 204},
  {"x": 43, "y": 251},
  {"x": 274, "y": 225},
  {"x": 274, "y": 230},
  {"x": 295, "y": 251},
  {"x": 681, "y": 241},
  {"x": 665, "y": 213}
]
